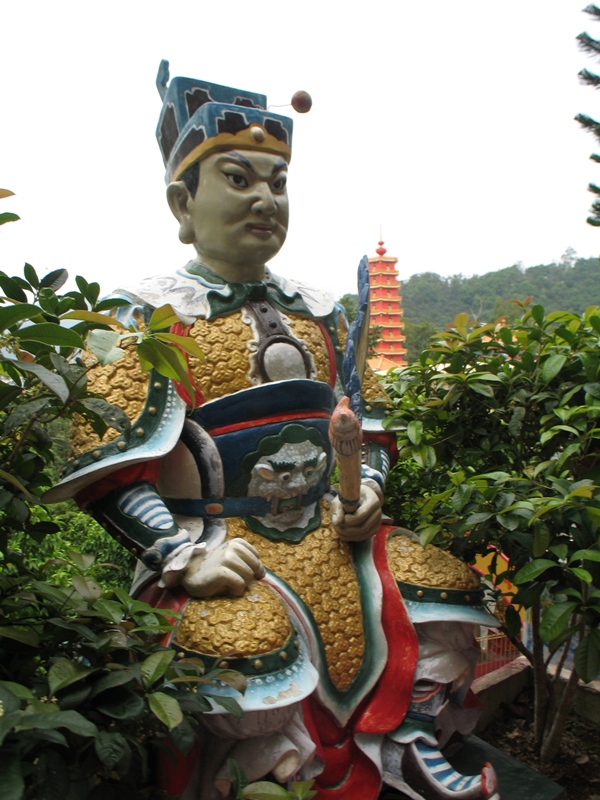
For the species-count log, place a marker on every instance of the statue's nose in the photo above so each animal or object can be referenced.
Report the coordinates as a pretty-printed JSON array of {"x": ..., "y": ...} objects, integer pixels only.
[{"x": 264, "y": 203}]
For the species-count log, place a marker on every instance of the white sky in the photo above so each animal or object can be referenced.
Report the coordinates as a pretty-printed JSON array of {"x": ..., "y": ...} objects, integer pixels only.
[{"x": 448, "y": 123}]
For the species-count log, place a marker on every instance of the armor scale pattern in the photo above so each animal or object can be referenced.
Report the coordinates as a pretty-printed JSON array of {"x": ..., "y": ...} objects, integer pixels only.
[
  {"x": 123, "y": 384},
  {"x": 427, "y": 566},
  {"x": 234, "y": 627},
  {"x": 319, "y": 569},
  {"x": 224, "y": 342},
  {"x": 311, "y": 336}
]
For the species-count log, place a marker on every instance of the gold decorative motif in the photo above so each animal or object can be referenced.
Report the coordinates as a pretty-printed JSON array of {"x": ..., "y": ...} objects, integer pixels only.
[
  {"x": 224, "y": 342},
  {"x": 235, "y": 627},
  {"x": 320, "y": 570},
  {"x": 428, "y": 566},
  {"x": 372, "y": 390},
  {"x": 123, "y": 384},
  {"x": 309, "y": 333},
  {"x": 342, "y": 330}
]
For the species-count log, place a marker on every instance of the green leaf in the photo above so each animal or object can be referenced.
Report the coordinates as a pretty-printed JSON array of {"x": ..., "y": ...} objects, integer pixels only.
[
  {"x": 83, "y": 561},
  {"x": 555, "y": 619},
  {"x": 87, "y": 587},
  {"x": 228, "y": 703},
  {"x": 186, "y": 343},
  {"x": 478, "y": 518},
  {"x": 11, "y": 776},
  {"x": 120, "y": 703},
  {"x": 592, "y": 389},
  {"x": 232, "y": 678},
  {"x": 55, "y": 279},
  {"x": 541, "y": 540},
  {"x": 582, "y": 574},
  {"x": 24, "y": 412},
  {"x": 10, "y": 315},
  {"x": 110, "y": 610},
  {"x": 594, "y": 514},
  {"x": 8, "y": 216},
  {"x": 560, "y": 550},
  {"x": 53, "y": 381},
  {"x": 64, "y": 672},
  {"x": 533, "y": 570},
  {"x": 95, "y": 317},
  {"x": 11, "y": 288},
  {"x": 31, "y": 276},
  {"x": 155, "y": 666},
  {"x": 552, "y": 366},
  {"x": 52, "y": 334},
  {"x": 23, "y": 635},
  {"x": 414, "y": 431},
  {"x": 162, "y": 317},
  {"x": 111, "y": 748},
  {"x": 264, "y": 790},
  {"x": 71, "y": 720},
  {"x": 481, "y": 388},
  {"x": 166, "y": 708},
  {"x": 183, "y": 737},
  {"x": 461, "y": 496},
  {"x": 238, "y": 777},
  {"x": 585, "y": 555},
  {"x": 303, "y": 790},
  {"x": 512, "y": 621},
  {"x": 17, "y": 483},
  {"x": 112, "y": 415},
  {"x": 117, "y": 677},
  {"x": 537, "y": 312},
  {"x": 428, "y": 534},
  {"x": 168, "y": 360},
  {"x": 20, "y": 691},
  {"x": 103, "y": 344},
  {"x": 587, "y": 657}
]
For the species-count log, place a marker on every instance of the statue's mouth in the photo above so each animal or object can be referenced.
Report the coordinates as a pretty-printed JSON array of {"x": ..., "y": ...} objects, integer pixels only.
[{"x": 282, "y": 504}]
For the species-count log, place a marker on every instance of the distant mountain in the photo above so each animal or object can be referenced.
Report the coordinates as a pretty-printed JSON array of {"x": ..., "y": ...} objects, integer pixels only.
[{"x": 571, "y": 285}]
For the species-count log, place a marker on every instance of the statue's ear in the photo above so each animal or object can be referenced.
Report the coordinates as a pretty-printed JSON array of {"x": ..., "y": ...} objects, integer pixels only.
[{"x": 179, "y": 198}]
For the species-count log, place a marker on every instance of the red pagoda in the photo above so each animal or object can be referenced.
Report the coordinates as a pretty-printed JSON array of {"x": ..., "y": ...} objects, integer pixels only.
[{"x": 385, "y": 303}]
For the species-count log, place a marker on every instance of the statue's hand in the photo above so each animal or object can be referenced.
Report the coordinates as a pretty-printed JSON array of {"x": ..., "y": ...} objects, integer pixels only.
[
  {"x": 365, "y": 520},
  {"x": 228, "y": 569}
]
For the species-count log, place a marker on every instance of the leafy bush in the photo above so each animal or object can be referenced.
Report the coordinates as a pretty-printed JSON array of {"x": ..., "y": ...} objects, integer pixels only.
[
  {"x": 86, "y": 691},
  {"x": 499, "y": 441}
]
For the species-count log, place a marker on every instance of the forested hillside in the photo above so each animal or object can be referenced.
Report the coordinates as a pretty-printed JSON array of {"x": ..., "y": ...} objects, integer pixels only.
[
  {"x": 572, "y": 285},
  {"x": 430, "y": 301}
]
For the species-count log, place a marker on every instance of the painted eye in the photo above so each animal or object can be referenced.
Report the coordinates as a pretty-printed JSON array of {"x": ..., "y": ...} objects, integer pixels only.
[
  {"x": 309, "y": 471},
  {"x": 279, "y": 184},
  {"x": 239, "y": 181},
  {"x": 285, "y": 476}
]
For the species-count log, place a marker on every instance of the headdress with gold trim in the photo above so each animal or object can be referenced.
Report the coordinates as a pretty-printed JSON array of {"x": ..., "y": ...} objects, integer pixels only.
[{"x": 199, "y": 118}]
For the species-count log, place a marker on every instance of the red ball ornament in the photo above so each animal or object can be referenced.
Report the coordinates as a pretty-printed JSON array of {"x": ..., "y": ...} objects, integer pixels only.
[{"x": 301, "y": 102}]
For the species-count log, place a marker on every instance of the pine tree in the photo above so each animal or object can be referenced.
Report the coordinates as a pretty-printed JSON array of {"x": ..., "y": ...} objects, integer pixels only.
[{"x": 591, "y": 47}]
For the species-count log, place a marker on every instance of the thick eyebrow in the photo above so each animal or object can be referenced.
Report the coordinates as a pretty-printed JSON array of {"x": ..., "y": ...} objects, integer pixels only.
[
  {"x": 233, "y": 155},
  {"x": 279, "y": 166}
]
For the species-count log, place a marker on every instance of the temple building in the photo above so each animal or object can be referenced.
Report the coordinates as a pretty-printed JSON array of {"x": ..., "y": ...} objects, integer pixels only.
[{"x": 386, "y": 312}]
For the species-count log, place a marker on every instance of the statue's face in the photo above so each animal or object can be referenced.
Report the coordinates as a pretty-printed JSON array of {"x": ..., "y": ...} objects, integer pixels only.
[{"x": 239, "y": 216}]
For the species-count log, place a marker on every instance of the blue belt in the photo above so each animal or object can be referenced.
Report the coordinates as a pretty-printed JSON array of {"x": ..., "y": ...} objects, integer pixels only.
[{"x": 215, "y": 507}]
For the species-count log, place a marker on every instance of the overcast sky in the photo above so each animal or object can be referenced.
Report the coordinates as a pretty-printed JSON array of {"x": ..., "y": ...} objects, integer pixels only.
[{"x": 450, "y": 124}]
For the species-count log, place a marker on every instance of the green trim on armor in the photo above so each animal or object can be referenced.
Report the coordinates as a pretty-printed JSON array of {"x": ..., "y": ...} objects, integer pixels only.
[
  {"x": 258, "y": 664},
  {"x": 373, "y": 657},
  {"x": 142, "y": 430},
  {"x": 453, "y": 597}
]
